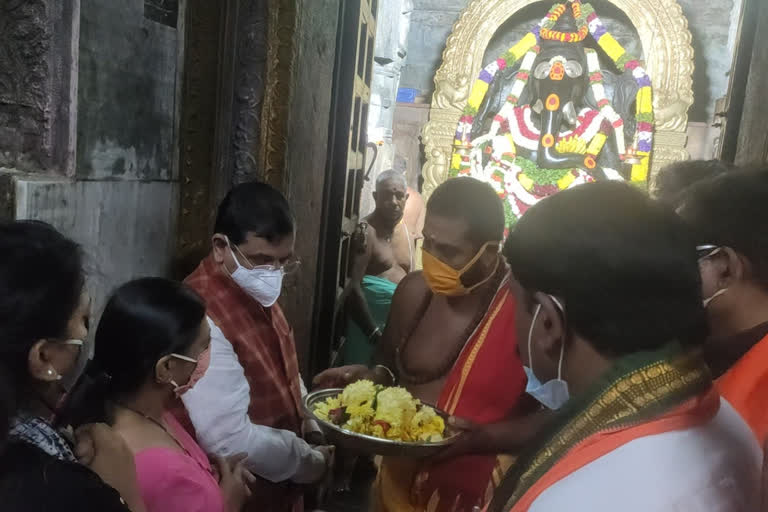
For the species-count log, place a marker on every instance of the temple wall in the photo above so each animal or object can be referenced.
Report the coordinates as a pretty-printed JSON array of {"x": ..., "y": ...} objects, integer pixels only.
[{"x": 90, "y": 147}]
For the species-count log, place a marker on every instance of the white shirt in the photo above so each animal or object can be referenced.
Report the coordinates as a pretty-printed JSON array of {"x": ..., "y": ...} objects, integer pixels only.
[
  {"x": 218, "y": 407},
  {"x": 712, "y": 468}
]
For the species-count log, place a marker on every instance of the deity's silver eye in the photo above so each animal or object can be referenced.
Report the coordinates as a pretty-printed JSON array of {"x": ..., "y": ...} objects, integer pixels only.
[
  {"x": 573, "y": 69},
  {"x": 542, "y": 71}
]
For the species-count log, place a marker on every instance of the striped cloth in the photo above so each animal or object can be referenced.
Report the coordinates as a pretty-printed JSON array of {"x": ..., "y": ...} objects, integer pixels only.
[{"x": 263, "y": 342}]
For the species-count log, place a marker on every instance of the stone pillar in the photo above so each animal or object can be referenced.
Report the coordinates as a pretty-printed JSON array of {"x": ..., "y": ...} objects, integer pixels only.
[
  {"x": 38, "y": 85},
  {"x": 306, "y": 157},
  {"x": 393, "y": 26}
]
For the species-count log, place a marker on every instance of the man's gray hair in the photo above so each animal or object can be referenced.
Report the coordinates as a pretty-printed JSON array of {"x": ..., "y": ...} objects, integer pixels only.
[{"x": 391, "y": 174}]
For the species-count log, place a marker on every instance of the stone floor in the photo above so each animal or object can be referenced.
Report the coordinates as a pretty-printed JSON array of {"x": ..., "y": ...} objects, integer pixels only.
[{"x": 356, "y": 498}]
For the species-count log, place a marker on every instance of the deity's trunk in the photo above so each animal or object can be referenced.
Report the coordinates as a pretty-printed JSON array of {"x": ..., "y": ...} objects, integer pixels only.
[{"x": 548, "y": 156}]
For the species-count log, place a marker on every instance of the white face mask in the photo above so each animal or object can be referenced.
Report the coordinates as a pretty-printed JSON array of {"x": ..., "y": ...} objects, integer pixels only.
[
  {"x": 552, "y": 394},
  {"x": 264, "y": 284},
  {"x": 720, "y": 292}
]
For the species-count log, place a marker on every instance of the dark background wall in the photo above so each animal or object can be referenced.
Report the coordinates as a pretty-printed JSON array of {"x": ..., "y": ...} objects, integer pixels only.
[{"x": 127, "y": 90}]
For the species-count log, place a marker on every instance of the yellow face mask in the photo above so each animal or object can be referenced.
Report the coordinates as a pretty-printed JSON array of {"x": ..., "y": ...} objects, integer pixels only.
[{"x": 443, "y": 279}]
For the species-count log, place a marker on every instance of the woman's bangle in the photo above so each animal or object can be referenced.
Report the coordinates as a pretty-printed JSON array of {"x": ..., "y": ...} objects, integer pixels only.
[
  {"x": 388, "y": 371},
  {"x": 376, "y": 331}
]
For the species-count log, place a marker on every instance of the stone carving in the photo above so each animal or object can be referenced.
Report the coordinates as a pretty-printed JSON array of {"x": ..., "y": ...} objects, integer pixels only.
[
  {"x": 25, "y": 119},
  {"x": 452, "y": 96},
  {"x": 281, "y": 58},
  {"x": 249, "y": 89},
  {"x": 24, "y": 44},
  {"x": 546, "y": 115},
  {"x": 666, "y": 44},
  {"x": 197, "y": 135}
]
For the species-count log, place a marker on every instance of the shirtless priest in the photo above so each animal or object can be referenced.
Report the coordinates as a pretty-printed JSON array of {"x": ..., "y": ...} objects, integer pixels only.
[
  {"x": 382, "y": 255},
  {"x": 448, "y": 342}
]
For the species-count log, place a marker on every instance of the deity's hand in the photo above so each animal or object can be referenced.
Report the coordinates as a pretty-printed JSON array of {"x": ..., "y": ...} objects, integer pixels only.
[{"x": 342, "y": 376}]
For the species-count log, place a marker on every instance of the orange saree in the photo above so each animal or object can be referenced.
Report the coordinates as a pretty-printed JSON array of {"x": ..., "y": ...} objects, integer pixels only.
[
  {"x": 484, "y": 386},
  {"x": 745, "y": 386}
]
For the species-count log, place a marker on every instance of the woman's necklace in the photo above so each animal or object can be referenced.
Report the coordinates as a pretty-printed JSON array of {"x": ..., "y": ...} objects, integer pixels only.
[{"x": 157, "y": 423}]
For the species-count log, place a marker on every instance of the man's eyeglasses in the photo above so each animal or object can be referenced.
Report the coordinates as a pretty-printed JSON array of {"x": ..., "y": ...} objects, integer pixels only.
[
  {"x": 291, "y": 266},
  {"x": 705, "y": 251}
]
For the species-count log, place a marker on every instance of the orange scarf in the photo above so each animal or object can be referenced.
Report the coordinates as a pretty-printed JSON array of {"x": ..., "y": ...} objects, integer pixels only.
[
  {"x": 643, "y": 393},
  {"x": 695, "y": 412},
  {"x": 745, "y": 386}
]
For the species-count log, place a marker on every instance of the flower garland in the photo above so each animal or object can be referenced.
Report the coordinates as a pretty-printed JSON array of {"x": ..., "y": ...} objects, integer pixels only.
[
  {"x": 502, "y": 148},
  {"x": 644, "y": 100},
  {"x": 547, "y": 25},
  {"x": 526, "y": 134},
  {"x": 598, "y": 90},
  {"x": 586, "y": 17}
]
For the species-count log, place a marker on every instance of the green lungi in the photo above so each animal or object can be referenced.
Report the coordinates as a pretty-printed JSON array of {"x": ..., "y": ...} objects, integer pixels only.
[{"x": 378, "y": 292}]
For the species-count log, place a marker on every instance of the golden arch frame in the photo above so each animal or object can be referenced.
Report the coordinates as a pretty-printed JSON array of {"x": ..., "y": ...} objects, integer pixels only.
[{"x": 666, "y": 43}]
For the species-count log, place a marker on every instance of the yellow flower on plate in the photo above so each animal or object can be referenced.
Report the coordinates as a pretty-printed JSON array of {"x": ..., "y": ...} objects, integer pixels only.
[{"x": 389, "y": 413}]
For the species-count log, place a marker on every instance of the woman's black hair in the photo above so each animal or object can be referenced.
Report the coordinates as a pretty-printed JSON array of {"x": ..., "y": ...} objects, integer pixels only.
[
  {"x": 625, "y": 265},
  {"x": 41, "y": 282},
  {"x": 144, "y": 321}
]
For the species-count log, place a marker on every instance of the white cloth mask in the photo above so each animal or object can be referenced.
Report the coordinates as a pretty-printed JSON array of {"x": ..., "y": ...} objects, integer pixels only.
[
  {"x": 552, "y": 394},
  {"x": 263, "y": 283}
]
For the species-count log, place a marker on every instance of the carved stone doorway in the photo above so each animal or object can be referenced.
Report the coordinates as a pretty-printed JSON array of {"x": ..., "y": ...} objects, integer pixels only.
[
  {"x": 257, "y": 92},
  {"x": 236, "y": 88}
]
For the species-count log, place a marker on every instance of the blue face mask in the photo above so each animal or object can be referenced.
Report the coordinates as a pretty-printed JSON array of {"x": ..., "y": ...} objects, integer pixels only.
[{"x": 552, "y": 394}]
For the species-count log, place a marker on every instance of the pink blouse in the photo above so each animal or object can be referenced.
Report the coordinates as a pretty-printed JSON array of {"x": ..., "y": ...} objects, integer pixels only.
[{"x": 172, "y": 481}]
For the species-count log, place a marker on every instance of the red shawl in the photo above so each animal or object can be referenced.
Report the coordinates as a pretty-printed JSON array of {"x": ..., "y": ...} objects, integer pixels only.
[
  {"x": 485, "y": 386},
  {"x": 263, "y": 342}
]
